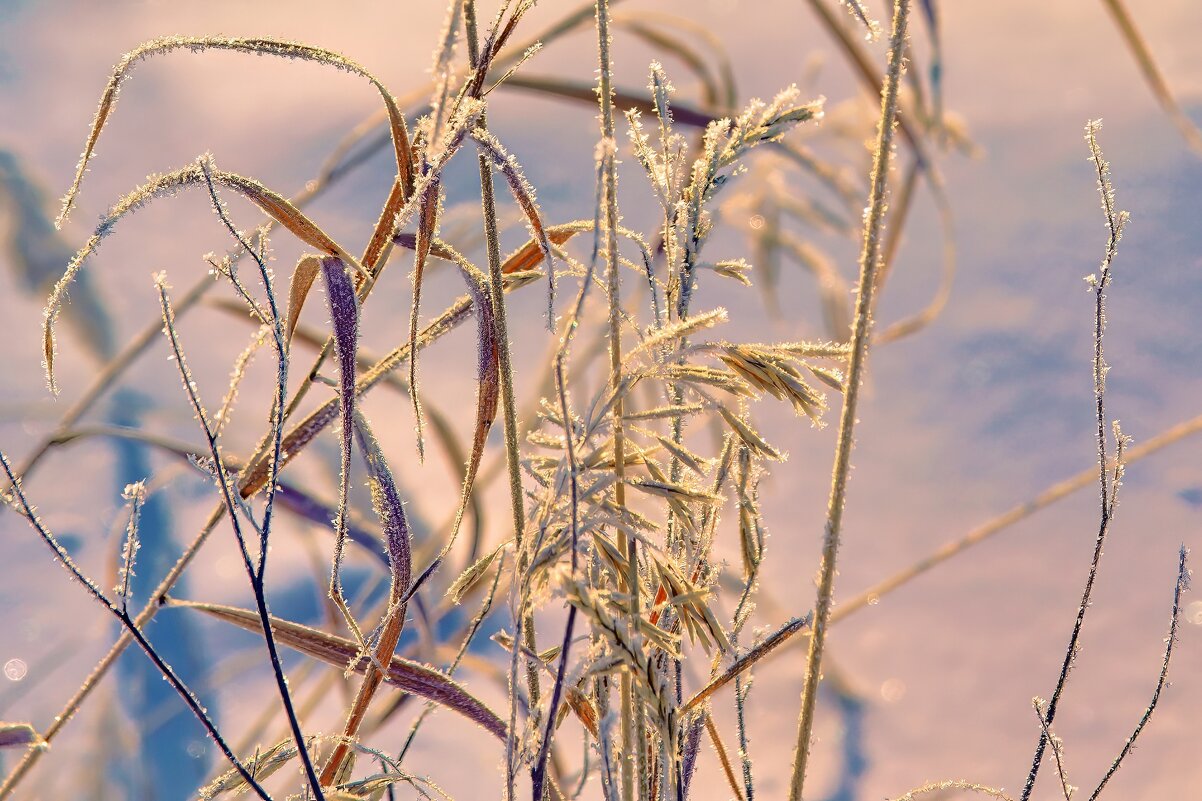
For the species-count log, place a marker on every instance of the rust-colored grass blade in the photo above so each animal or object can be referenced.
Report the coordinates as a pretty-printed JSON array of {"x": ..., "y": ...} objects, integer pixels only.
[
  {"x": 774, "y": 640},
  {"x": 530, "y": 255},
  {"x": 303, "y": 276},
  {"x": 412, "y": 677},
  {"x": 280, "y": 209}
]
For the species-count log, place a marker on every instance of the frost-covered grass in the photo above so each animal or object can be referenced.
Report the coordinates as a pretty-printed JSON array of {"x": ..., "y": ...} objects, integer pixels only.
[{"x": 627, "y": 454}]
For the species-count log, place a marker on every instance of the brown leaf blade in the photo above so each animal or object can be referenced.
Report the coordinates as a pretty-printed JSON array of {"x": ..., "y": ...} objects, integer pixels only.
[{"x": 303, "y": 276}]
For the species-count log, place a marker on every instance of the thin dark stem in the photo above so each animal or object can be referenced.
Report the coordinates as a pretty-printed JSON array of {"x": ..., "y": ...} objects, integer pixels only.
[
  {"x": 233, "y": 502},
  {"x": 1181, "y": 585},
  {"x": 540, "y": 765},
  {"x": 1115, "y": 221}
]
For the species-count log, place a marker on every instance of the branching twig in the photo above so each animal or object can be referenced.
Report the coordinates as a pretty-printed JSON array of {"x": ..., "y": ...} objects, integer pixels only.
[{"x": 1115, "y": 220}]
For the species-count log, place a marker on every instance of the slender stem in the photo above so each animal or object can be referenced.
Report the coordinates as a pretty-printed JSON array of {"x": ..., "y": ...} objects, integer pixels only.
[
  {"x": 633, "y": 737},
  {"x": 869, "y": 262},
  {"x": 1180, "y": 586},
  {"x": 508, "y": 404}
]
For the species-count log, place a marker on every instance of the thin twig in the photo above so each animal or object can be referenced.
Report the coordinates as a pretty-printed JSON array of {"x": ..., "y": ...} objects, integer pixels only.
[
  {"x": 1115, "y": 220},
  {"x": 232, "y": 500},
  {"x": 1182, "y": 584}
]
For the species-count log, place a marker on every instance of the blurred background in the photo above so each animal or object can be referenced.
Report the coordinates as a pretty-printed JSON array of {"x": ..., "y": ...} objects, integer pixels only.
[{"x": 979, "y": 411}]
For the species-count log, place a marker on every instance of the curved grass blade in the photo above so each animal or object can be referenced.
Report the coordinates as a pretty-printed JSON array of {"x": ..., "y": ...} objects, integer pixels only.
[
  {"x": 488, "y": 390},
  {"x": 426, "y": 229},
  {"x": 303, "y": 276},
  {"x": 284, "y": 49},
  {"x": 198, "y": 173},
  {"x": 387, "y": 502}
]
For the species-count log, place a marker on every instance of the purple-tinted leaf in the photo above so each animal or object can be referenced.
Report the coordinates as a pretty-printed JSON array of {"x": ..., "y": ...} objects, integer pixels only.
[
  {"x": 387, "y": 502},
  {"x": 300, "y": 503},
  {"x": 20, "y": 735},
  {"x": 406, "y": 674},
  {"x": 344, "y": 311},
  {"x": 692, "y": 743}
]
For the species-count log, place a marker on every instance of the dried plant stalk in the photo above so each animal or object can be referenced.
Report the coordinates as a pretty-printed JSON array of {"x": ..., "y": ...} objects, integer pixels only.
[{"x": 869, "y": 262}]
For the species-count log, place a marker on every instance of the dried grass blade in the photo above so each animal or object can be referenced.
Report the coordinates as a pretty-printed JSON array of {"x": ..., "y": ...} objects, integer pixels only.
[
  {"x": 387, "y": 502},
  {"x": 201, "y": 172},
  {"x": 280, "y": 209},
  {"x": 530, "y": 255},
  {"x": 774, "y": 640},
  {"x": 472, "y": 575},
  {"x": 523, "y": 194},
  {"x": 749, "y": 436},
  {"x": 426, "y": 230},
  {"x": 488, "y": 390},
  {"x": 723, "y": 757}
]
